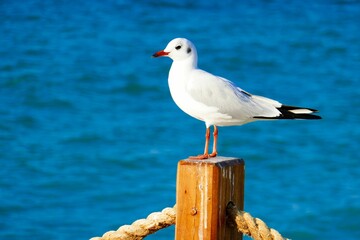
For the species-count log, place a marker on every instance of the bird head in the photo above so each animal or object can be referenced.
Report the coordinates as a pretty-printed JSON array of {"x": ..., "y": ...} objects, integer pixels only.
[{"x": 178, "y": 49}]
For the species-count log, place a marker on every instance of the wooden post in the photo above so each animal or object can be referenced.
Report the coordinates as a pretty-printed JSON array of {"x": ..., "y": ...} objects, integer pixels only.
[{"x": 203, "y": 190}]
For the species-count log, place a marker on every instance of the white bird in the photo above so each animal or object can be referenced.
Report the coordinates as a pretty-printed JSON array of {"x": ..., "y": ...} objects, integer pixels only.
[{"x": 216, "y": 100}]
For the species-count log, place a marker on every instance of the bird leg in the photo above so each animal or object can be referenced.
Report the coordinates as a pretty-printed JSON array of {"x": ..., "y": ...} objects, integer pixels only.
[
  {"x": 206, "y": 150},
  {"x": 214, "y": 152}
]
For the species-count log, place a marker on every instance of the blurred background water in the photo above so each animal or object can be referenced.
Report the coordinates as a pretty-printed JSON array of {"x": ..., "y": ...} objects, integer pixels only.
[{"x": 90, "y": 137}]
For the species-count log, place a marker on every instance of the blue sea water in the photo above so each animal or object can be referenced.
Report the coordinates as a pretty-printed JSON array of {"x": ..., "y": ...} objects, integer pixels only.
[{"x": 90, "y": 137}]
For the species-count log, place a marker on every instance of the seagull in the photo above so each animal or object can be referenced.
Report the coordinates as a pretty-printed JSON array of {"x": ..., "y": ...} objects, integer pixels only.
[{"x": 216, "y": 100}]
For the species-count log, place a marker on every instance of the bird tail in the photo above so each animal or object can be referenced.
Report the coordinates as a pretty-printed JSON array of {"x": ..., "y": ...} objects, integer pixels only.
[{"x": 291, "y": 112}]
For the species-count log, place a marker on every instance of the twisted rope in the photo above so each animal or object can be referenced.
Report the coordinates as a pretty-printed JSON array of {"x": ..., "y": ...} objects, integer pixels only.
[
  {"x": 253, "y": 227},
  {"x": 245, "y": 223},
  {"x": 142, "y": 227}
]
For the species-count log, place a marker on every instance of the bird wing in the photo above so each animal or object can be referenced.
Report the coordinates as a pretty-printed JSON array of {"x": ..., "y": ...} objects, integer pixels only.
[{"x": 218, "y": 92}]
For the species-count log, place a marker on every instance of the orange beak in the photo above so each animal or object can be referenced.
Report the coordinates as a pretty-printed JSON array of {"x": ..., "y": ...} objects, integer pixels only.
[{"x": 160, "y": 54}]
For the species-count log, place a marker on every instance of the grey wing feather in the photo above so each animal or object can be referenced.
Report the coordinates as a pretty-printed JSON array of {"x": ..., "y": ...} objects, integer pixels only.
[{"x": 227, "y": 98}]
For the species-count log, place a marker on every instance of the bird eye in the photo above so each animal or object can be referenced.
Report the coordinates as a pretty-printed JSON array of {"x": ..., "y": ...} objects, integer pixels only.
[{"x": 178, "y": 47}]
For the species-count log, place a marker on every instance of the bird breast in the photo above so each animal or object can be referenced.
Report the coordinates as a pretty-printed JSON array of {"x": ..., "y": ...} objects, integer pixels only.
[{"x": 178, "y": 84}]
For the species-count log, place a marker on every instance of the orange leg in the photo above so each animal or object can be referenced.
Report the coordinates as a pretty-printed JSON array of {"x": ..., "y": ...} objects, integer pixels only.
[
  {"x": 214, "y": 152},
  {"x": 206, "y": 150}
]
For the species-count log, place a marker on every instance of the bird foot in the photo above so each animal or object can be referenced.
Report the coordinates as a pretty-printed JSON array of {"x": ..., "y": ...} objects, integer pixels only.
[
  {"x": 200, "y": 157},
  {"x": 203, "y": 156},
  {"x": 214, "y": 154}
]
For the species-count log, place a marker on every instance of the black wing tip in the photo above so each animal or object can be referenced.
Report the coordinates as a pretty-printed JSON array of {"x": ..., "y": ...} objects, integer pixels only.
[
  {"x": 286, "y": 113},
  {"x": 307, "y": 116},
  {"x": 292, "y": 116},
  {"x": 288, "y": 108}
]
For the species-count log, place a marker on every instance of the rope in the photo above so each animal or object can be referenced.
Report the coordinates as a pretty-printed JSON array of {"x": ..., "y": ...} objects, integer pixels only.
[
  {"x": 245, "y": 223},
  {"x": 142, "y": 227},
  {"x": 253, "y": 227}
]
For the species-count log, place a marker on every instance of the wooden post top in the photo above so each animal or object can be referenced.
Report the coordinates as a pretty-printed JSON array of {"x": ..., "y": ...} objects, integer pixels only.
[{"x": 219, "y": 161}]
